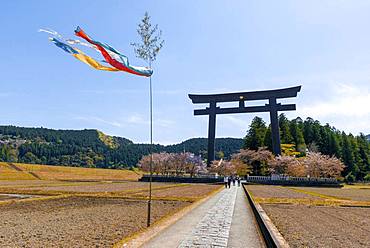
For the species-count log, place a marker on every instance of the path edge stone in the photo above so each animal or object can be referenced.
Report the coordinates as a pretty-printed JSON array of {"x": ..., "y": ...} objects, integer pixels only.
[{"x": 277, "y": 237}]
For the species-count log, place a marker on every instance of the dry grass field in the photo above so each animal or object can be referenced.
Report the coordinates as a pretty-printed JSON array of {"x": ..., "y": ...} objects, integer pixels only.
[
  {"x": 79, "y": 207},
  {"x": 318, "y": 217},
  {"x": 18, "y": 171}
]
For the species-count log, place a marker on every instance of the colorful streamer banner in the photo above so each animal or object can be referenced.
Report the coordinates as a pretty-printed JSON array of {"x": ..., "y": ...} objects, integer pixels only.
[
  {"x": 118, "y": 61},
  {"x": 81, "y": 56},
  {"x": 115, "y": 58}
]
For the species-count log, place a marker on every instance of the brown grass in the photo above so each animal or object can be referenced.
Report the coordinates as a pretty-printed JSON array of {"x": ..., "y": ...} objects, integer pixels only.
[
  {"x": 8, "y": 173},
  {"x": 47, "y": 172}
]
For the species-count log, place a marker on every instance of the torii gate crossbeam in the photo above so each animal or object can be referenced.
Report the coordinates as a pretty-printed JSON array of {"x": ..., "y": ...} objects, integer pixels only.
[{"x": 241, "y": 97}]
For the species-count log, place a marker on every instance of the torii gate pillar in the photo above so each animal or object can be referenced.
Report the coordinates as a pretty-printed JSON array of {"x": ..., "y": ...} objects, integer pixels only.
[{"x": 211, "y": 132}]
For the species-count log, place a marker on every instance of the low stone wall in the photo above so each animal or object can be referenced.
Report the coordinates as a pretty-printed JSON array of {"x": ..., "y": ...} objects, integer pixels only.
[
  {"x": 294, "y": 181},
  {"x": 271, "y": 235},
  {"x": 169, "y": 179}
]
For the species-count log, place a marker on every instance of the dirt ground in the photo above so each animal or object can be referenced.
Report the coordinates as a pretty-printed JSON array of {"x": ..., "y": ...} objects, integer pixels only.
[
  {"x": 76, "y": 221},
  {"x": 101, "y": 187},
  {"x": 345, "y": 193},
  {"x": 316, "y": 217},
  {"x": 6, "y": 197},
  {"x": 318, "y": 226},
  {"x": 272, "y": 191},
  {"x": 57, "y": 215},
  {"x": 27, "y": 183},
  {"x": 187, "y": 192}
]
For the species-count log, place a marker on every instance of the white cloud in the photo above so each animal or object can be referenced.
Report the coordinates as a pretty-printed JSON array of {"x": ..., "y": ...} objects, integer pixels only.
[
  {"x": 347, "y": 108},
  {"x": 347, "y": 100}
]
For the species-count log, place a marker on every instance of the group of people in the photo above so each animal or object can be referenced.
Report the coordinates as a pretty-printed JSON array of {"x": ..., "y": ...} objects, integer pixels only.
[{"x": 228, "y": 180}]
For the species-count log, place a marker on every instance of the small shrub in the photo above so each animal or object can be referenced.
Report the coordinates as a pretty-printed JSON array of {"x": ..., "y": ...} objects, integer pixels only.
[
  {"x": 367, "y": 177},
  {"x": 350, "y": 178}
]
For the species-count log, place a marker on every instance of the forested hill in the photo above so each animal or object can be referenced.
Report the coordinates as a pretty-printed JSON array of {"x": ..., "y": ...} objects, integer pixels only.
[
  {"x": 227, "y": 146},
  {"x": 90, "y": 148},
  {"x": 368, "y": 137}
]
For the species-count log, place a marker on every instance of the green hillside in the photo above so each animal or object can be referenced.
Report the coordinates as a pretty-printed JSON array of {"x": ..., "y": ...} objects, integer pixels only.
[{"x": 89, "y": 148}]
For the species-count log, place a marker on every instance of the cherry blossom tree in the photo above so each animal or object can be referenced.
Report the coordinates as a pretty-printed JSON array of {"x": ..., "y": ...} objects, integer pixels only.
[
  {"x": 258, "y": 160},
  {"x": 319, "y": 165},
  {"x": 287, "y": 165}
]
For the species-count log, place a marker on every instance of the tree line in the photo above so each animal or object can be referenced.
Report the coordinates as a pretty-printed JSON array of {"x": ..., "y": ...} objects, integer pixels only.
[{"x": 300, "y": 137}]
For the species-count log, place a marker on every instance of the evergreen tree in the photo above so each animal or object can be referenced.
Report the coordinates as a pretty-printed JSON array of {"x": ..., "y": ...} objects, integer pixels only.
[
  {"x": 358, "y": 163},
  {"x": 347, "y": 154},
  {"x": 296, "y": 127},
  {"x": 256, "y": 134},
  {"x": 285, "y": 135},
  {"x": 324, "y": 139},
  {"x": 364, "y": 153},
  {"x": 316, "y": 136},
  {"x": 308, "y": 130},
  {"x": 334, "y": 148},
  {"x": 267, "y": 141}
]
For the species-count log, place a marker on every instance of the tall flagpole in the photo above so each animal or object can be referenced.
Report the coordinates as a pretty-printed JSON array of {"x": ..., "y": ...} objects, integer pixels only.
[
  {"x": 148, "y": 50},
  {"x": 151, "y": 146}
]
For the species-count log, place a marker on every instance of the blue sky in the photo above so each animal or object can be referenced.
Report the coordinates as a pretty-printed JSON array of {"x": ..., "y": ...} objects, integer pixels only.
[{"x": 210, "y": 47}]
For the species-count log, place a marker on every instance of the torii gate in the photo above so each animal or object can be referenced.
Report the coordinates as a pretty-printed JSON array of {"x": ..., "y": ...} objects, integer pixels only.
[{"x": 273, "y": 107}]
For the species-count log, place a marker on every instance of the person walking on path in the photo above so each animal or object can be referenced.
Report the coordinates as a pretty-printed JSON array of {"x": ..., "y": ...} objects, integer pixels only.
[
  {"x": 238, "y": 178},
  {"x": 226, "y": 181},
  {"x": 229, "y": 181},
  {"x": 233, "y": 180}
]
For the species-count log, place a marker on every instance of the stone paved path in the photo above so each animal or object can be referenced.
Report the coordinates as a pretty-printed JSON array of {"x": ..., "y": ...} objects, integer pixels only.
[
  {"x": 213, "y": 229},
  {"x": 225, "y": 220}
]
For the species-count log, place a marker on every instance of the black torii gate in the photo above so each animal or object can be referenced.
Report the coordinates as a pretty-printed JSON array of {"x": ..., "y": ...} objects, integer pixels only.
[{"x": 273, "y": 107}]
